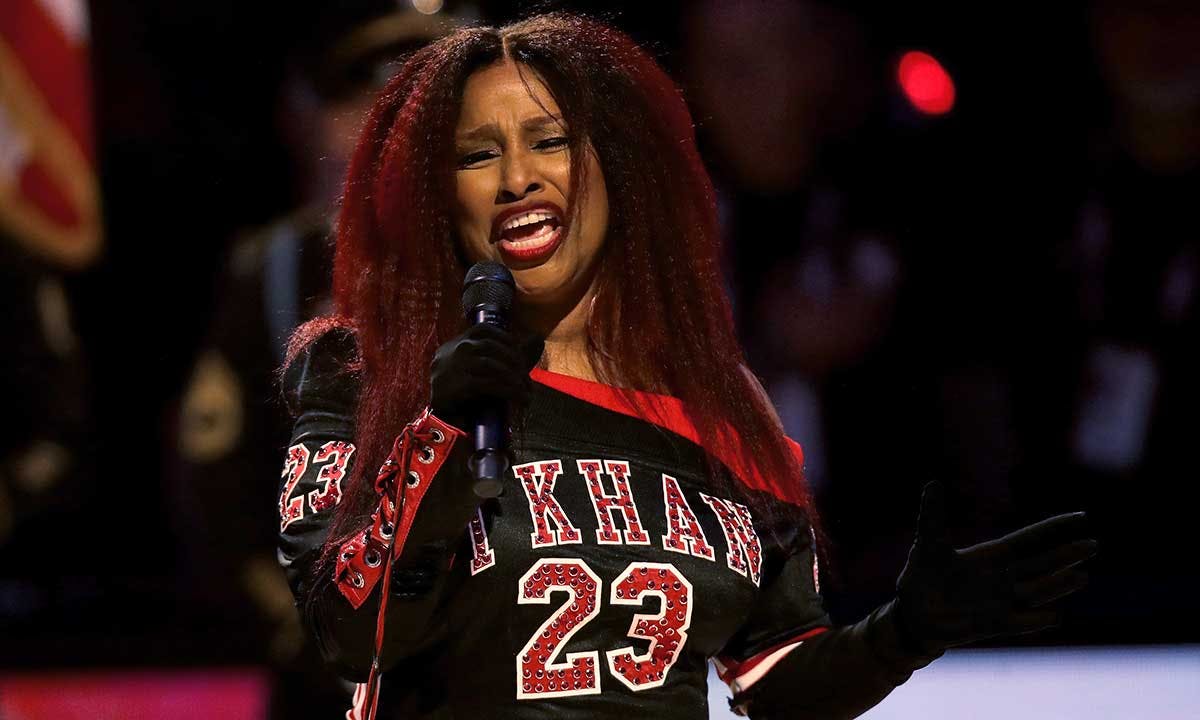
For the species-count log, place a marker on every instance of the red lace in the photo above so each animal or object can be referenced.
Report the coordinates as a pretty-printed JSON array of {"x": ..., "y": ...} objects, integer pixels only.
[{"x": 389, "y": 481}]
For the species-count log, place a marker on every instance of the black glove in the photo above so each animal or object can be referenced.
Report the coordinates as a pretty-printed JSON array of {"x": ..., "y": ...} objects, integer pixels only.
[
  {"x": 483, "y": 363},
  {"x": 948, "y": 597}
]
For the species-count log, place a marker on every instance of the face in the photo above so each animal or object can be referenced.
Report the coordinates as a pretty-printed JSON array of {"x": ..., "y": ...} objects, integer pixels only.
[{"x": 512, "y": 178}]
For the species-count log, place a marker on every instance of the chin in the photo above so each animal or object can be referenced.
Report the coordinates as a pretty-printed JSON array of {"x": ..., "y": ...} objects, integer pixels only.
[{"x": 533, "y": 286}]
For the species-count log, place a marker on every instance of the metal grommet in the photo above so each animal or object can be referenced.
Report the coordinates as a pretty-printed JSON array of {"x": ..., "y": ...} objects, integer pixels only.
[
  {"x": 437, "y": 436},
  {"x": 414, "y": 479},
  {"x": 372, "y": 558},
  {"x": 356, "y": 579},
  {"x": 346, "y": 555},
  {"x": 427, "y": 455},
  {"x": 386, "y": 530}
]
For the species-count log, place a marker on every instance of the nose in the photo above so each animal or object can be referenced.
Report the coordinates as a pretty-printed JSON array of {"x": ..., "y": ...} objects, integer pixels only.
[{"x": 519, "y": 177}]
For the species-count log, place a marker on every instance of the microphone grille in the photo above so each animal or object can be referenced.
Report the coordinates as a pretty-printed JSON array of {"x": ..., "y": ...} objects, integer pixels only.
[{"x": 488, "y": 283}]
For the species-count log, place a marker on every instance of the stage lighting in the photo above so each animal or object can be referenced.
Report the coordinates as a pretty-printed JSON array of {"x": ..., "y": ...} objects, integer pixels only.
[{"x": 926, "y": 83}]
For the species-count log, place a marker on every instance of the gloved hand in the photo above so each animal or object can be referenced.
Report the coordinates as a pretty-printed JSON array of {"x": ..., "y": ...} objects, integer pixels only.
[
  {"x": 483, "y": 363},
  {"x": 947, "y": 596}
]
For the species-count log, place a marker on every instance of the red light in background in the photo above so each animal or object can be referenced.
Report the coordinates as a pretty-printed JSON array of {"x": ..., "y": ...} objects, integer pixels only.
[{"x": 926, "y": 83}]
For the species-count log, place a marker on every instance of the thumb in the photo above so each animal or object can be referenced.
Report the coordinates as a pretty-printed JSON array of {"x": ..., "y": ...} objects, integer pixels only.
[
  {"x": 931, "y": 522},
  {"x": 530, "y": 349}
]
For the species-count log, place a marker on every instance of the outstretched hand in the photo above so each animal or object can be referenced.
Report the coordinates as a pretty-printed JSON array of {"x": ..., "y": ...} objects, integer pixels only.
[{"x": 947, "y": 596}]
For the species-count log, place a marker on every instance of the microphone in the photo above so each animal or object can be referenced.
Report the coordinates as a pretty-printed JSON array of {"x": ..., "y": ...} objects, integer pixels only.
[{"x": 487, "y": 297}]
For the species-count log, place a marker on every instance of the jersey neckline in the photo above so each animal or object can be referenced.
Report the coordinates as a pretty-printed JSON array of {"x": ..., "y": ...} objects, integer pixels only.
[{"x": 666, "y": 411}]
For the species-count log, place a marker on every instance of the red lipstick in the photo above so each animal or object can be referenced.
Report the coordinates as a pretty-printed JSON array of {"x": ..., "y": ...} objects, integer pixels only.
[{"x": 529, "y": 234}]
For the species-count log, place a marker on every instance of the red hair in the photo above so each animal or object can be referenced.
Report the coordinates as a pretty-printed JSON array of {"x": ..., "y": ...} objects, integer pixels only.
[{"x": 661, "y": 321}]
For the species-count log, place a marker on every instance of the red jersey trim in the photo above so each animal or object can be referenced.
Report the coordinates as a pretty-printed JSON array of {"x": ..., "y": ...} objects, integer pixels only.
[
  {"x": 667, "y": 412},
  {"x": 417, "y": 455},
  {"x": 734, "y": 669}
]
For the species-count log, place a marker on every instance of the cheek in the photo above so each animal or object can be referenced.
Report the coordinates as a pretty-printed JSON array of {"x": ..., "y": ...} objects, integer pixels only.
[
  {"x": 595, "y": 209},
  {"x": 473, "y": 250},
  {"x": 472, "y": 218}
]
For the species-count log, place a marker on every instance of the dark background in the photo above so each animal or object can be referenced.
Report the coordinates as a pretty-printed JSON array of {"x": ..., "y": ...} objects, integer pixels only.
[{"x": 924, "y": 296}]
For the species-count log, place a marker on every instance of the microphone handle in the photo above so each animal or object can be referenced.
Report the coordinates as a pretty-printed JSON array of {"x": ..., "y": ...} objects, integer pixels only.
[{"x": 489, "y": 463}]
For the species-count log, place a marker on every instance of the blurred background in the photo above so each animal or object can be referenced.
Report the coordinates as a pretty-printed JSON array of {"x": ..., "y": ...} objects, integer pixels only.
[{"x": 962, "y": 242}]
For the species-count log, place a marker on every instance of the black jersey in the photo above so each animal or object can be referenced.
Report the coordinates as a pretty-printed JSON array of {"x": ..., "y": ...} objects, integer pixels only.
[{"x": 598, "y": 585}]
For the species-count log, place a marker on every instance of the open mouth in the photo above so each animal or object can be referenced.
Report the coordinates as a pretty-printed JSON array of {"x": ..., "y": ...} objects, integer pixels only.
[
  {"x": 529, "y": 229},
  {"x": 530, "y": 237}
]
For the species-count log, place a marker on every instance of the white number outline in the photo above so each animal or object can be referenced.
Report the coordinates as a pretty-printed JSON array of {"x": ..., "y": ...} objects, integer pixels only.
[
  {"x": 291, "y": 508},
  {"x": 638, "y": 618},
  {"x": 544, "y": 599},
  {"x": 335, "y": 455},
  {"x": 611, "y": 655}
]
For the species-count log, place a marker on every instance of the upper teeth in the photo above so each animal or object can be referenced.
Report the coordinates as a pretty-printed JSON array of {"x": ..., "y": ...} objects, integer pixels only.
[{"x": 527, "y": 218}]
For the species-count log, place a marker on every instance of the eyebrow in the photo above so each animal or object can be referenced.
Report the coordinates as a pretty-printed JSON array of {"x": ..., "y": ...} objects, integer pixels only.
[{"x": 492, "y": 129}]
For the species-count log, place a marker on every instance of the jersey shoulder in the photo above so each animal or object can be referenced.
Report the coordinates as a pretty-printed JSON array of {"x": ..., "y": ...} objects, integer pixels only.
[{"x": 325, "y": 375}]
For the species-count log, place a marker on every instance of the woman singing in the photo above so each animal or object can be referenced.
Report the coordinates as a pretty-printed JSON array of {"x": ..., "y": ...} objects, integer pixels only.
[{"x": 654, "y": 515}]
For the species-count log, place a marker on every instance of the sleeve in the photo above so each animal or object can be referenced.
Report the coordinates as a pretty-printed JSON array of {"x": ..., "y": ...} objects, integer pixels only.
[
  {"x": 788, "y": 610},
  {"x": 790, "y": 662},
  {"x": 338, "y": 602}
]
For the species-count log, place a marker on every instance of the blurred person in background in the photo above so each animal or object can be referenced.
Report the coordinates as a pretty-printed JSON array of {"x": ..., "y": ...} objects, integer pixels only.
[
  {"x": 230, "y": 428},
  {"x": 1125, "y": 400},
  {"x": 50, "y": 231},
  {"x": 787, "y": 100},
  {"x": 1037, "y": 321}
]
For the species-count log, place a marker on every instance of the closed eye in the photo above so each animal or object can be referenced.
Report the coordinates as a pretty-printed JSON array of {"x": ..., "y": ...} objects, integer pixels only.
[
  {"x": 472, "y": 159},
  {"x": 551, "y": 143},
  {"x": 475, "y": 158}
]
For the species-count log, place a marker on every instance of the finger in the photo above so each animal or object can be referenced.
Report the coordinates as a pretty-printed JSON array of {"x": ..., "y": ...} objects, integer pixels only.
[
  {"x": 490, "y": 370},
  {"x": 1030, "y": 540},
  {"x": 504, "y": 336},
  {"x": 491, "y": 366},
  {"x": 500, "y": 370},
  {"x": 493, "y": 348},
  {"x": 1055, "y": 560},
  {"x": 485, "y": 335},
  {"x": 488, "y": 331},
  {"x": 1048, "y": 588},
  {"x": 931, "y": 522},
  {"x": 1033, "y": 620},
  {"x": 493, "y": 379}
]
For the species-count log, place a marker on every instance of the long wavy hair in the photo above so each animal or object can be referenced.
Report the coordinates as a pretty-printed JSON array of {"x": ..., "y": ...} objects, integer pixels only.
[{"x": 661, "y": 321}]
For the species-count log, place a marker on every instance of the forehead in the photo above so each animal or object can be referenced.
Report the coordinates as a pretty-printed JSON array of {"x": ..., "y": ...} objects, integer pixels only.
[{"x": 497, "y": 94}]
